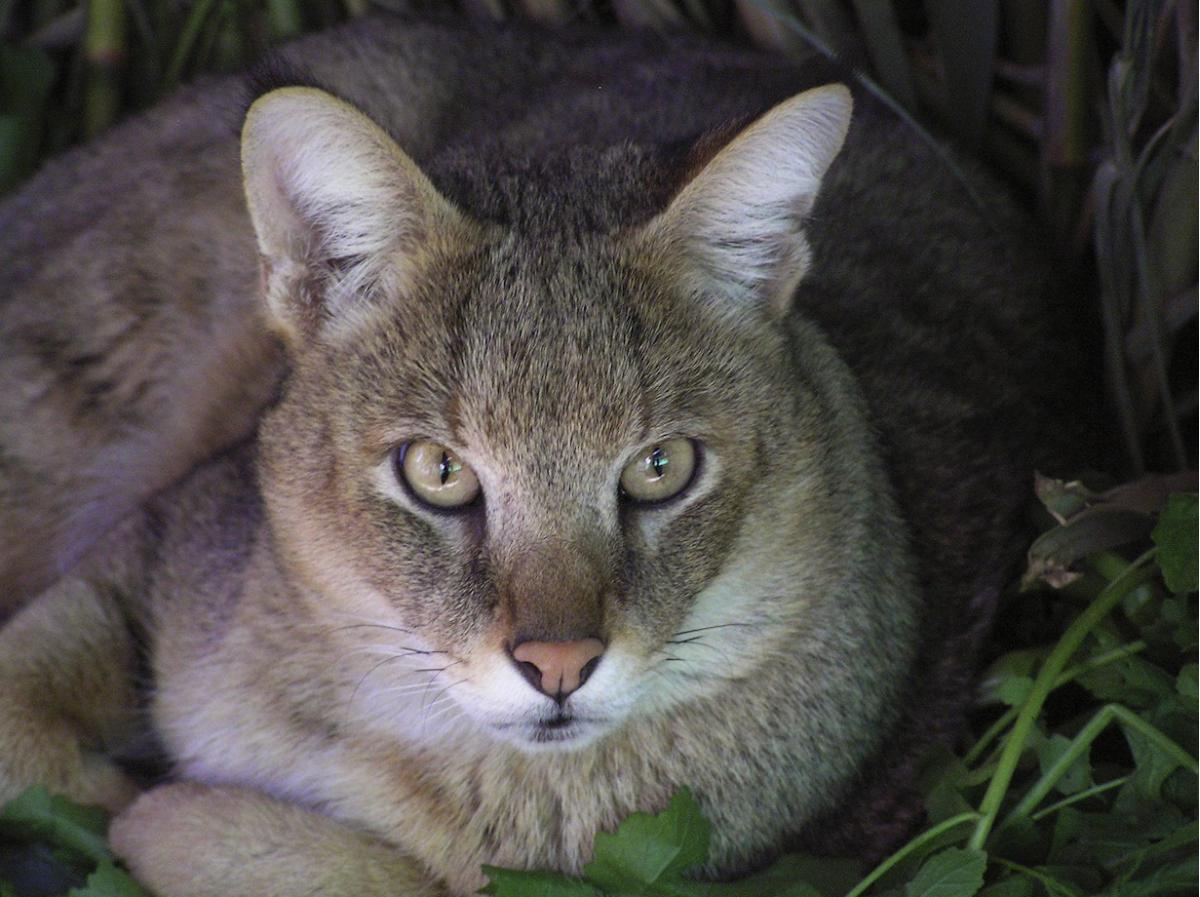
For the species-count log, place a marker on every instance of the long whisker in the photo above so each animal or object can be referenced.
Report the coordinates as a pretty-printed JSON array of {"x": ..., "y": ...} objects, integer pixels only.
[
  {"x": 392, "y": 659},
  {"x": 707, "y": 628}
]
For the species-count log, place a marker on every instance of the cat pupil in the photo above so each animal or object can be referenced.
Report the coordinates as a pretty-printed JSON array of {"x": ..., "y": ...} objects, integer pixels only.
[
  {"x": 446, "y": 469},
  {"x": 658, "y": 462}
]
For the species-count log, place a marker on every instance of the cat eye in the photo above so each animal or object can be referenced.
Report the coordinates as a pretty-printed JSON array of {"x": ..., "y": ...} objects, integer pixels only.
[
  {"x": 660, "y": 471},
  {"x": 436, "y": 475}
]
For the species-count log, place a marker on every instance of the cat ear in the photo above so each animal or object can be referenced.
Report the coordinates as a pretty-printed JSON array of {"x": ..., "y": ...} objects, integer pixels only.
[
  {"x": 337, "y": 207},
  {"x": 735, "y": 232}
]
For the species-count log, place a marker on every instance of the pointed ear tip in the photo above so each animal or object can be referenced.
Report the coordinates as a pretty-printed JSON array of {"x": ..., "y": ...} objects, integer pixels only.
[
  {"x": 292, "y": 95},
  {"x": 836, "y": 97}
]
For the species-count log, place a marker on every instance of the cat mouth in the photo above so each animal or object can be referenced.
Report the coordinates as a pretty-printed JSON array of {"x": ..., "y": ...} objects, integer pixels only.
[{"x": 560, "y": 730}]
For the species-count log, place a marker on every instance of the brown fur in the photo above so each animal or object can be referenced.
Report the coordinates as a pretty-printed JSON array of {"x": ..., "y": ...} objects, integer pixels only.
[{"x": 539, "y": 282}]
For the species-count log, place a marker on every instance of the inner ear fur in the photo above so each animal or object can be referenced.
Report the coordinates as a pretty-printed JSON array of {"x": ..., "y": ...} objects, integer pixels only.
[
  {"x": 734, "y": 232},
  {"x": 337, "y": 206}
]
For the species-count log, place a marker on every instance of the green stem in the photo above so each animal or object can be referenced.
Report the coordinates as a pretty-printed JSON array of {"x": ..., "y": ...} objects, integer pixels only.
[
  {"x": 989, "y": 807},
  {"x": 1100, "y": 660},
  {"x": 187, "y": 39},
  {"x": 915, "y": 844},
  {"x": 1052, "y": 886},
  {"x": 1078, "y": 796},
  {"x": 104, "y": 52},
  {"x": 989, "y": 736},
  {"x": 1083, "y": 740}
]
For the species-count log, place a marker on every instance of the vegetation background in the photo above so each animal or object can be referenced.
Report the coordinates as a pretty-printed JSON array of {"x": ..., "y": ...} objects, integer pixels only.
[{"x": 1088, "y": 108}]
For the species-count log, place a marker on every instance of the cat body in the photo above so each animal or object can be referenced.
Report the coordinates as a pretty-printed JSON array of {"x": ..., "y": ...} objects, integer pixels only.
[{"x": 579, "y": 248}]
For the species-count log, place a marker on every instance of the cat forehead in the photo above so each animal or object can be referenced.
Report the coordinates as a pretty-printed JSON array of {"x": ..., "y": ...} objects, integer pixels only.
[{"x": 510, "y": 333}]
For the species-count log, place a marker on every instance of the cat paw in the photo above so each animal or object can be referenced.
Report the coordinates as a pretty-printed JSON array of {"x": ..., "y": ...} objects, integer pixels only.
[
  {"x": 84, "y": 777},
  {"x": 161, "y": 835},
  {"x": 192, "y": 840}
]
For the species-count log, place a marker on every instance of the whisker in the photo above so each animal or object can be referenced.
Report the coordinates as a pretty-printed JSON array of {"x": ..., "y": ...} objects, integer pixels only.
[
  {"x": 373, "y": 626},
  {"x": 367, "y": 674},
  {"x": 707, "y": 628},
  {"x": 441, "y": 696}
]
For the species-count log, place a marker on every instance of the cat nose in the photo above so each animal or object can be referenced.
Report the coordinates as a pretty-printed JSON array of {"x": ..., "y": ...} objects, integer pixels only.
[{"x": 558, "y": 668}]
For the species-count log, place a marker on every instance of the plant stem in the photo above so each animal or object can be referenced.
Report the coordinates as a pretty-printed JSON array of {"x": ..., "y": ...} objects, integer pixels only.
[
  {"x": 104, "y": 53},
  {"x": 1083, "y": 740},
  {"x": 187, "y": 39},
  {"x": 1078, "y": 796},
  {"x": 915, "y": 844},
  {"x": 989, "y": 807},
  {"x": 1100, "y": 660}
]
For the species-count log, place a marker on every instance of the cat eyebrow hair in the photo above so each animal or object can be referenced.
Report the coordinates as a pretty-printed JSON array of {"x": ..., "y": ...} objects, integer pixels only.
[
  {"x": 452, "y": 410},
  {"x": 635, "y": 329}
]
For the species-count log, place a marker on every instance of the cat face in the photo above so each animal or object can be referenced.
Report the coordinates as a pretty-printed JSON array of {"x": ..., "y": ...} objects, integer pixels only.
[
  {"x": 546, "y": 375},
  {"x": 533, "y": 474}
]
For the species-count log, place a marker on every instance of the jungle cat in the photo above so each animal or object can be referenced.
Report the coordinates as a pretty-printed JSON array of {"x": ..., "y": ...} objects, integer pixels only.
[{"x": 530, "y": 425}]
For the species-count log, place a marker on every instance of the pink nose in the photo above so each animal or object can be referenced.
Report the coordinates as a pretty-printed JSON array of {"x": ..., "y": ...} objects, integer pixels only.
[{"x": 558, "y": 668}]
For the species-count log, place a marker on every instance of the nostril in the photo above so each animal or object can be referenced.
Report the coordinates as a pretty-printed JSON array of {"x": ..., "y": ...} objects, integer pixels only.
[
  {"x": 557, "y": 669},
  {"x": 531, "y": 673},
  {"x": 588, "y": 669}
]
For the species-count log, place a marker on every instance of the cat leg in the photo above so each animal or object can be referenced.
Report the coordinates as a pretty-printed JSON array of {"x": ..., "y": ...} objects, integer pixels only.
[
  {"x": 67, "y": 695},
  {"x": 193, "y": 840}
]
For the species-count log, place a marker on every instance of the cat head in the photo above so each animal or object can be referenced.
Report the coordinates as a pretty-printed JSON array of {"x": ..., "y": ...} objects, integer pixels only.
[{"x": 556, "y": 480}]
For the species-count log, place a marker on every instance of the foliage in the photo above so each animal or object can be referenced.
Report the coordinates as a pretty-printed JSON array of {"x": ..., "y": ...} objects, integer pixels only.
[
  {"x": 1088, "y": 106},
  {"x": 79, "y": 850},
  {"x": 1082, "y": 780},
  {"x": 1046, "y": 800}
]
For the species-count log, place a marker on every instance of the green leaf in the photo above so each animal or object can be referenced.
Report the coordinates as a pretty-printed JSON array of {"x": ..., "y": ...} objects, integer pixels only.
[
  {"x": 1078, "y": 776},
  {"x": 1016, "y": 886},
  {"x": 1152, "y": 766},
  {"x": 647, "y": 849},
  {"x": 1175, "y": 534},
  {"x": 37, "y": 814},
  {"x": 1014, "y": 690},
  {"x": 795, "y": 875},
  {"x": 109, "y": 881},
  {"x": 955, "y": 872},
  {"x": 1185, "y": 682},
  {"x": 518, "y": 883},
  {"x": 1173, "y": 878}
]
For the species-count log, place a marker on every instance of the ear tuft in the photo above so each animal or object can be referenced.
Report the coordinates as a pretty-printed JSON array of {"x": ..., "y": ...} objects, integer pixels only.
[
  {"x": 736, "y": 230},
  {"x": 336, "y": 205}
]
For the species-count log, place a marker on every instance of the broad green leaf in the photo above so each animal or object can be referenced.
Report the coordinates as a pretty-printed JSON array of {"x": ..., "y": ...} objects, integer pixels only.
[
  {"x": 1083, "y": 878},
  {"x": 519, "y": 883},
  {"x": 646, "y": 849},
  {"x": 1132, "y": 681},
  {"x": 1078, "y": 776},
  {"x": 1185, "y": 682},
  {"x": 955, "y": 872},
  {"x": 801, "y": 876},
  {"x": 1175, "y": 534},
  {"x": 109, "y": 881},
  {"x": 1178, "y": 877},
  {"x": 1015, "y": 886},
  {"x": 1014, "y": 690},
  {"x": 36, "y": 814},
  {"x": 1152, "y": 766},
  {"x": 765, "y": 884}
]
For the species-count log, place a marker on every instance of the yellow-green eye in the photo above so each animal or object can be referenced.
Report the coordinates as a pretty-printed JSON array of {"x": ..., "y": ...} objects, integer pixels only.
[
  {"x": 437, "y": 476},
  {"x": 660, "y": 471}
]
